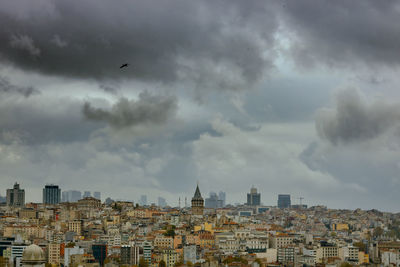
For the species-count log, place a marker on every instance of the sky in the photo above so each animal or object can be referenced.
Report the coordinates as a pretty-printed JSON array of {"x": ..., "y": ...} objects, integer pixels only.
[{"x": 292, "y": 97}]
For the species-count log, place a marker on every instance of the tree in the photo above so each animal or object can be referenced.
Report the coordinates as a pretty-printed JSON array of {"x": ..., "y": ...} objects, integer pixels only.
[
  {"x": 346, "y": 264},
  {"x": 360, "y": 245},
  {"x": 162, "y": 264},
  {"x": 189, "y": 264}
]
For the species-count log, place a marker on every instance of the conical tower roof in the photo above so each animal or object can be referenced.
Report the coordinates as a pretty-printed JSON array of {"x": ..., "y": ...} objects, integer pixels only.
[{"x": 197, "y": 194}]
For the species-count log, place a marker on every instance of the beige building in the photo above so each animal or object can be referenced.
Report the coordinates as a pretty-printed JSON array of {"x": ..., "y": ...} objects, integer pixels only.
[
  {"x": 164, "y": 241},
  {"x": 54, "y": 252},
  {"x": 75, "y": 226}
]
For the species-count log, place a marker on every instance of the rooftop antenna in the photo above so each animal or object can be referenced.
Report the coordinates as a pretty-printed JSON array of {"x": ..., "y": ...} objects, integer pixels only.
[
  {"x": 179, "y": 202},
  {"x": 185, "y": 202}
]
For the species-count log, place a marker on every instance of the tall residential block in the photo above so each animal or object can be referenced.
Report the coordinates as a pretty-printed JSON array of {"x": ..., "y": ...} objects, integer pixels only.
[
  {"x": 16, "y": 196},
  {"x": 51, "y": 194},
  {"x": 253, "y": 198},
  {"x": 284, "y": 201}
]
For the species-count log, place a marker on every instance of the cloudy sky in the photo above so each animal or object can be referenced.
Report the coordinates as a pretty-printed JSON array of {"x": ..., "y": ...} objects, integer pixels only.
[{"x": 297, "y": 97}]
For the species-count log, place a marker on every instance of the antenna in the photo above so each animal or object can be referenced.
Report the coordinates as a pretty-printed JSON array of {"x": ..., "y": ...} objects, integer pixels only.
[{"x": 179, "y": 202}]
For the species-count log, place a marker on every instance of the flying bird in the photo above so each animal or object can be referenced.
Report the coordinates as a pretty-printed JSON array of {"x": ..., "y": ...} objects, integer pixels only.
[{"x": 124, "y": 65}]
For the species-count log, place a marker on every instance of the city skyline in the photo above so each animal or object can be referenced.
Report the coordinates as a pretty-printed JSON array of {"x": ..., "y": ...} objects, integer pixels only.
[{"x": 291, "y": 96}]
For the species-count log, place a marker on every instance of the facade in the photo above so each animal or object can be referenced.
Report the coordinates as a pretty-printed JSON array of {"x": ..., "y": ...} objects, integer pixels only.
[
  {"x": 197, "y": 203},
  {"x": 16, "y": 196},
  {"x": 51, "y": 194},
  {"x": 143, "y": 200},
  {"x": 161, "y": 202},
  {"x": 253, "y": 198},
  {"x": 54, "y": 253},
  {"x": 130, "y": 255},
  {"x": 99, "y": 253},
  {"x": 284, "y": 201},
  {"x": 71, "y": 196}
]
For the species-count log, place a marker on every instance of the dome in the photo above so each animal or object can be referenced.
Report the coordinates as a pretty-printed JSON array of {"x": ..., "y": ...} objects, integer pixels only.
[{"x": 33, "y": 253}]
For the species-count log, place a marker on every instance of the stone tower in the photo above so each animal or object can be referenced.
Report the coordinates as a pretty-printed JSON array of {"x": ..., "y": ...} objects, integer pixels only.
[{"x": 197, "y": 203}]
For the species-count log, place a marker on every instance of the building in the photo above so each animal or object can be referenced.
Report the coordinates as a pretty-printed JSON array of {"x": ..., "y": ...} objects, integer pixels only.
[
  {"x": 99, "y": 253},
  {"x": 161, "y": 202},
  {"x": 69, "y": 251},
  {"x": 87, "y": 194},
  {"x": 284, "y": 201},
  {"x": 190, "y": 254},
  {"x": 16, "y": 196},
  {"x": 143, "y": 200},
  {"x": 147, "y": 248},
  {"x": 75, "y": 226},
  {"x": 212, "y": 201},
  {"x": 71, "y": 196},
  {"x": 51, "y": 194},
  {"x": 253, "y": 198},
  {"x": 54, "y": 253},
  {"x": 130, "y": 255},
  {"x": 222, "y": 198},
  {"x": 33, "y": 255},
  {"x": 170, "y": 257},
  {"x": 97, "y": 195},
  {"x": 197, "y": 202}
]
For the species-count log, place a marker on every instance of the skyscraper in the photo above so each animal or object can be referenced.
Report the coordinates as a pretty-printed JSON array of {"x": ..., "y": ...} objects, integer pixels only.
[
  {"x": 51, "y": 194},
  {"x": 212, "y": 201},
  {"x": 143, "y": 200},
  {"x": 253, "y": 198},
  {"x": 87, "y": 194},
  {"x": 97, "y": 195},
  {"x": 161, "y": 202},
  {"x": 284, "y": 201},
  {"x": 222, "y": 198},
  {"x": 197, "y": 203},
  {"x": 16, "y": 196}
]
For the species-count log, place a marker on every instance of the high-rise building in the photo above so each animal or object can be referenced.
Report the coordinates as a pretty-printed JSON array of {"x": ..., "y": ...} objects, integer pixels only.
[
  {"x": 130, "y": 255},
  {"x": 212, "y": 201},
  {"x": 87, "y": 194},
  {"x": 51, "y": 194},
  {"x": 143, "y": 200},
  {"x": 161, "y": 202},
  {"x": 197, "y": 203},
  {"x": 16, "y": 196},
  {"x": 147, "y": 249},
  {"x": 222, "y": 198},
  {"x": 284, "y": 201},
  {"x": 99, "y": 253},
  {"x": 253, "y": 198},
  {"x": 97, "y": 195}
]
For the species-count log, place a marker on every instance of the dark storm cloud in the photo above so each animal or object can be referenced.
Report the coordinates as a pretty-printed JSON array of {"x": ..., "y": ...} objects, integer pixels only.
[
  {"x": 148, "y": 109},
  {"x": 341, "y": 33},
  {"x": 9, "y": 88},
  {"x": 355, "y": 120},
  {"x": 162, "y": 41},
  {"x": 37, "y": 120}
]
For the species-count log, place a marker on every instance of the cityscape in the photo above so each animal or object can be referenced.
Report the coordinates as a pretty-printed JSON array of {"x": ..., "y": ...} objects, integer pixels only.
[
  {"x": 69, "y": 228},
  {"x": 199, "y": 133}
]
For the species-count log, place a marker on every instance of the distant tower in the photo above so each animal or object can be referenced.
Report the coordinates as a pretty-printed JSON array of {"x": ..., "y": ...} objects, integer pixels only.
[
  {"x": 284, "y": 201},
  {"x": 253, "y": 198},
  {"x": 197, "y": 203},
  {"x": 16, "y": 196},
  {"x": 51, "y": 194}
]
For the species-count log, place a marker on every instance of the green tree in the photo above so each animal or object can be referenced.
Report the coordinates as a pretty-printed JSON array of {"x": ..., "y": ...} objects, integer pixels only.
[
  {"x": 346, "y": 264},
  {"x": 189, "y": 264}
]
